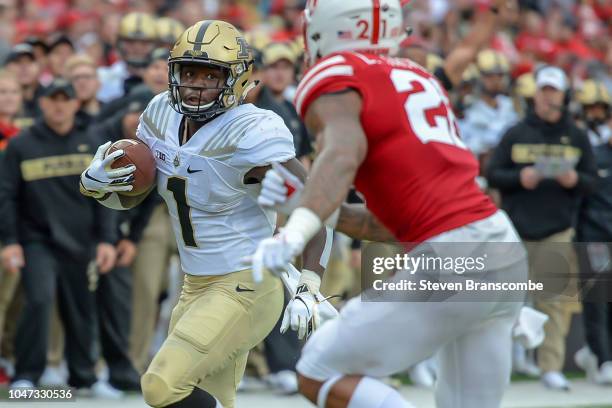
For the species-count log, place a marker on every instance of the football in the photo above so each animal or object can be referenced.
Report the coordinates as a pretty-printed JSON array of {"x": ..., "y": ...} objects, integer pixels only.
[{"x": 138, "y": 154}]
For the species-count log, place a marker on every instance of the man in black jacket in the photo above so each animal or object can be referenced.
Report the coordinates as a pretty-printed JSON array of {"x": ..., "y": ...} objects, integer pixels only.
[
  {"x": 542, "y": 167},
  {"x": 594, "y": 234},
  {"x": 117, "y": 291},
  {"x": 52, "y": 233}
]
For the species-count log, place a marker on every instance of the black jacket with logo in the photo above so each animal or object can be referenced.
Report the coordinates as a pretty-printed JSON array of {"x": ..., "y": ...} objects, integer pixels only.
[
  {"x": 39, "y": 193},
  {"x": 549, "y": 208}
]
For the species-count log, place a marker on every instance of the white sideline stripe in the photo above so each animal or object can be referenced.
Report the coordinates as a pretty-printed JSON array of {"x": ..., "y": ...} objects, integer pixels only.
[{"x": 338, "y": 70}]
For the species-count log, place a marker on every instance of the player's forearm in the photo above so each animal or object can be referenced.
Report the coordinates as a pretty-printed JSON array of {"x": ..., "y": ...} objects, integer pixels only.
[
  {"x": 317, "y": 251},
  {"x": 357, "y": 222},
  {"x": 331, "y": 178}
]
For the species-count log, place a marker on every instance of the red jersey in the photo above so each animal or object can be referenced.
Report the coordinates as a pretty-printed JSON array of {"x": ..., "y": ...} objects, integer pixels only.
[{"x": 418, "y": 177}]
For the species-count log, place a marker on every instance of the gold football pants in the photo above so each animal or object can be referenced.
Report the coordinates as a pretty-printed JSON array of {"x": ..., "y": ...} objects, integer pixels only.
[{"x": 217, "y": 320}]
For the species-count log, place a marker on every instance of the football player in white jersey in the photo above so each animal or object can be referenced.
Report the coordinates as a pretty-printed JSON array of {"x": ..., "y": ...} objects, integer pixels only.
[{"x": 211, "y": 152}]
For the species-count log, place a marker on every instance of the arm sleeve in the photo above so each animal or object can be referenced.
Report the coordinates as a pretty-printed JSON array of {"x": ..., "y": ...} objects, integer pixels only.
[
  {"x": 10, "y": 183},
  {"x": 502, "y": 173},
  {"x": 586, "y": 167},
  {"x": 267, "y": 141}
]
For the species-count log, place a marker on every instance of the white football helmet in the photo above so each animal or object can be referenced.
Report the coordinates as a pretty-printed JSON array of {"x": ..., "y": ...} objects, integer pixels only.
[{"x": 374, "y": 26}]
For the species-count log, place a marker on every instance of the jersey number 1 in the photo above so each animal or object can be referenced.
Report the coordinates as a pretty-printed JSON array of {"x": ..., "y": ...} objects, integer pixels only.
[{"x": 178, "y": 187}]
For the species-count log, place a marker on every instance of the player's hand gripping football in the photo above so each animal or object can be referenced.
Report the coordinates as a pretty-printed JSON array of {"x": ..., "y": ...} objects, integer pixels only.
[
  {"x": 99, "y": 179},
  {"x": 301, "y": 313},
  {"x": 281, "y": 190}
]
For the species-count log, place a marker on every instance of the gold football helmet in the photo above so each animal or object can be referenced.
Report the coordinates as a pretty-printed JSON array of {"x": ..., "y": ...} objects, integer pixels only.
[
  {"x": 136, "y": 27},
  {"x": 492, "y": 62},
  {"x": 525, "y": 85},
  {"x": 168, "y": 30},
  {"x": 218, "y": 44},
  {"x": 592, "y": 93}
]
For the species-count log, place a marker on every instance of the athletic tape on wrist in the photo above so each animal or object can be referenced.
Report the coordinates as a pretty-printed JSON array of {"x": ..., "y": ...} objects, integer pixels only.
[{"x": 304, "y": 222}]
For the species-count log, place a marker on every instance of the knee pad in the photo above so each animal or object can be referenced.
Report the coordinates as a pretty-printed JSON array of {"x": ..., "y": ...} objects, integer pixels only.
[{"x": 155, "y": 390}]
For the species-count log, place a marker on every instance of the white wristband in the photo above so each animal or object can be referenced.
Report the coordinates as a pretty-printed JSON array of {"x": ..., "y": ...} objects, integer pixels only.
[
  {"x": 305, "y": 222},
  {"x": 310, "y": 279}
]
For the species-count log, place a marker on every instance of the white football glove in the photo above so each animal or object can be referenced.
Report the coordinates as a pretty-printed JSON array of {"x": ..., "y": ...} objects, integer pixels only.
[
  {"x": 99, "y": 179},
  {"x": 275, "y": 253},
  {"x": 281, "y": 190},
  {"x": 301, "y": 313}
]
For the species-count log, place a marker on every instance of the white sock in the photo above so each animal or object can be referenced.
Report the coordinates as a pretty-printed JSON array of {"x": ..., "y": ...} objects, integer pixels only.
[{"x": 371, "y": 393}]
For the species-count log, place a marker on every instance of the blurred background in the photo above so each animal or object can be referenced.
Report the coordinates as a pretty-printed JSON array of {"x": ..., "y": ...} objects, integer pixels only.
[{"x": 110, "y": 58}]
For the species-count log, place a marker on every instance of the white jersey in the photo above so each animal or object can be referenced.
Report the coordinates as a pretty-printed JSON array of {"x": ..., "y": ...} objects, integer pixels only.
[{"x": 215, "y": 216}]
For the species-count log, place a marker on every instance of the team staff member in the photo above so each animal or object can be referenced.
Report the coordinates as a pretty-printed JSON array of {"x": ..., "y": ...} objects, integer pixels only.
[
  {"x": 50, "y": 232},
  {"x": 116, "y": 292},
  {"x": 543, "y": 207}
]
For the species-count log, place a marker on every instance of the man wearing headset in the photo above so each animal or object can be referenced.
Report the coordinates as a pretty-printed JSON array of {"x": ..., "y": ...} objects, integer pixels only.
[{"x": 542, "y": 167}]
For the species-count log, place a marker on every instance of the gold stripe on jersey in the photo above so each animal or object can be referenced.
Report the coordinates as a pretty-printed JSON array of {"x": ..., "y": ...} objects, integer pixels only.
[
  {"x": 231, "y": 134},
  {"x": 225, "y": 151},
  {"x": 55, "y": 166},
  {"x": 152, "y": 128},
  {"x": 166, "y": 119}
]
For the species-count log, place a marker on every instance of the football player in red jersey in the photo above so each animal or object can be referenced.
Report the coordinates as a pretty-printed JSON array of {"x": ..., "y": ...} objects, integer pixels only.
[{"x": 386, "y": 126}]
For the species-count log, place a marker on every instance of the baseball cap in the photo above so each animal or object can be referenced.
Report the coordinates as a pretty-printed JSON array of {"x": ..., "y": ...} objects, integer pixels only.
[
  {"x": 275, "y": 52},
  {"x": 19, "y": 50},
  {"x": 553, "y": 77},
  {"x": 59, "y": 86},
  {"x": 58, "y": 40}
]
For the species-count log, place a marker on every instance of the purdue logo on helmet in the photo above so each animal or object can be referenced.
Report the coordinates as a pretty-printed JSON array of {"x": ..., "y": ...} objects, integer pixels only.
[{"x": 218, "y": 44}]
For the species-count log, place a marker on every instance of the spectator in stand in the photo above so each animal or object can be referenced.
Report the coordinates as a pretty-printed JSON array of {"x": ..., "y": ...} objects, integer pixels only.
[
  {"x": 492, "y": 112},
  {"x": 22, "y": 62},
  {"x": 10, "y": 105},
  {"x": 542, "y": 201},
  {"x": 137, "y": 39},
  {"x": 51, "y": 234},
  {"x": 594, "y": 234},
  {"x": 60, "y": 51},
  {"x": 81, "y": 71}
]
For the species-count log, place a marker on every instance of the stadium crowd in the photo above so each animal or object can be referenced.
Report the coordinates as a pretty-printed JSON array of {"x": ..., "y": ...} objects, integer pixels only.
[{"x": 76, "y": 73}]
